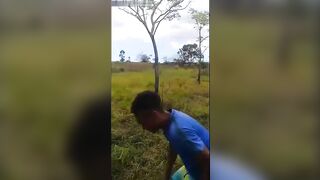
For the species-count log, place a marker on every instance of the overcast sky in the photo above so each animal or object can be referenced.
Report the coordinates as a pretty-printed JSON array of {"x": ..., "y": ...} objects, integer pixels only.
[{"x": 131, "y": 36}]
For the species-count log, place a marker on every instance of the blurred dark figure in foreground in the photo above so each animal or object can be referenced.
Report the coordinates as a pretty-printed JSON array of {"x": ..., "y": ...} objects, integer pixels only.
[{"x": 89, "y": 142}]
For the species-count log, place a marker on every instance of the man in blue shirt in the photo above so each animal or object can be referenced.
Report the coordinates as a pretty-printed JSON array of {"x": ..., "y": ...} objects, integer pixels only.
[{"x": 187, "y": 138}]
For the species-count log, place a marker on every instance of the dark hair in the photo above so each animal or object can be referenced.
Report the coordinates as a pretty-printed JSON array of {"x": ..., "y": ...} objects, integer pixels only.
[{"x": 146, "y": 100}]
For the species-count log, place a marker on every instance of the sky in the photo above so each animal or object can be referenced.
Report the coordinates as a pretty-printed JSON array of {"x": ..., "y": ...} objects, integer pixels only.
[{"x": 129, "y": 34}]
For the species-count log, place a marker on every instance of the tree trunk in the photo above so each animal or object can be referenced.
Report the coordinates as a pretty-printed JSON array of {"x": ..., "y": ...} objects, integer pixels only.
[
  {"x": 200, "y": 57},
  {"x": 199, "y": 74},
  {"x": 156, "y": 66}
]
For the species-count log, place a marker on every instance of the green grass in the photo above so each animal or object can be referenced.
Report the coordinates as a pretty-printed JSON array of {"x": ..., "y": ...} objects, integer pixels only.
[{"x": 137, "y": 154}]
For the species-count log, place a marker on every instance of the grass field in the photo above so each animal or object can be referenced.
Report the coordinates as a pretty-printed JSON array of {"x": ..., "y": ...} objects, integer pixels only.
[{"x": 137, "y": 154}]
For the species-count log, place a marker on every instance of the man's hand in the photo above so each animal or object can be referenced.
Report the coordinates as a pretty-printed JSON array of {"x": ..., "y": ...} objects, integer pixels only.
[
  {"x": 203, "y": 161},
  {"x": 172, "y": 156}
]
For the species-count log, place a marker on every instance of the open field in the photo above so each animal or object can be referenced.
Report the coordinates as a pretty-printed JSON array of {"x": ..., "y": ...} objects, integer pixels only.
[{"x": 137, "y": 154}]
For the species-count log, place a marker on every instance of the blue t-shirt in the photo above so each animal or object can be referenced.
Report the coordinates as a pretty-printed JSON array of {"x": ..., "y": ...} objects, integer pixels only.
[{"x": 188, "y": 138}]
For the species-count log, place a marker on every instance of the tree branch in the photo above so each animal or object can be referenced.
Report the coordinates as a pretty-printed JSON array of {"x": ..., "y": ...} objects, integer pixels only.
[
  {"x": 171, "y": 10},
  {"x": 157, "y": 27},
  {"x": 155, "y": 9},
  {"x": 137, "y": 15},
  {"x": 203, "y": 39},
  {"x": 203, "y": 51},
  {"x": 165, "y": 15},
  {"x": 128, "y": 12},
  {"x": 143, "y": 15}
]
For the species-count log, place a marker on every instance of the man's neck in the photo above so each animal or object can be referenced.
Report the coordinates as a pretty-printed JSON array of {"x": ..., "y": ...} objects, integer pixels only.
[{"x": 166, "y": 119}]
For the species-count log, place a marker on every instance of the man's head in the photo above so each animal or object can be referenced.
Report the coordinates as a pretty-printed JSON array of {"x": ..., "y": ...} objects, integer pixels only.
[{"x": 147, "y": 108}]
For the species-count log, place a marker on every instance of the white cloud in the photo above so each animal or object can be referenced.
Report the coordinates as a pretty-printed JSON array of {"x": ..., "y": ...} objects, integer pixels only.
[{"x": 175, "y": 45}]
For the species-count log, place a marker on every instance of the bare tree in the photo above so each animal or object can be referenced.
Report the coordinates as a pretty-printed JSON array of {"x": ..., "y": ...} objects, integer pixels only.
[
  {"x": 151, "y": 17},
  {"x": 201, "y": 20}
]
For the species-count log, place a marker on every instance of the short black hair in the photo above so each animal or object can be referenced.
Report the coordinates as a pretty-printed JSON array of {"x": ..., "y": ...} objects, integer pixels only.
[{"x": 146, "y": 100}]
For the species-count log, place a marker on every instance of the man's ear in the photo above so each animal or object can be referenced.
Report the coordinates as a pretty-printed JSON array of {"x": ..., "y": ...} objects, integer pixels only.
[{"x": 155, "y": 113}]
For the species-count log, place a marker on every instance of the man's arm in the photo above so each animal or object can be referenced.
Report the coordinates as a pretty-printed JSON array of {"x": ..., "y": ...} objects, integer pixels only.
[
  {"x": 196, "y": 149},
  {"x": 172, "y": 156},
  {"x": 203, "y": 161}
]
